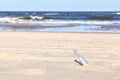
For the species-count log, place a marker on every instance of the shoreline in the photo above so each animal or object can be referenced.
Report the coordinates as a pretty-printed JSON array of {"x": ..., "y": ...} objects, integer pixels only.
[
  {"x": 62, "y": 28},
  {"x": 60, "y": 32},
  {"x": 18, "y": 25}
]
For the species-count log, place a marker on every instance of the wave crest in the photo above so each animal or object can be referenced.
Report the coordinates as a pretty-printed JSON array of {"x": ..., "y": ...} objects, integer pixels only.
[
  {"x": 24, "y": 19},
  {"x": 49, "y": 21},
  {"x": 34, "y": 18},
  {"x": 117, "y": 13}
]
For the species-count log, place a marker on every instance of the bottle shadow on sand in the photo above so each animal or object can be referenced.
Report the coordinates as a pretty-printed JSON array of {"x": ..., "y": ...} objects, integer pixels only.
[{"x": 78, "y": 62}]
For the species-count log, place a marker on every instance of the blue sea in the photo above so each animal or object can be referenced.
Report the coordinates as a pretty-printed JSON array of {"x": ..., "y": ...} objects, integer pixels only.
[{"x": 60, "y": 21}]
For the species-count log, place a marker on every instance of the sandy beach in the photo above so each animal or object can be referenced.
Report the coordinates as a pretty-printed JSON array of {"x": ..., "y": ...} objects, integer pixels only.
[{"x": 49, "y": 56}]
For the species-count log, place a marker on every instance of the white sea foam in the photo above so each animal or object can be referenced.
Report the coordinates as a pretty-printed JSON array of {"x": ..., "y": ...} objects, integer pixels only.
[
  {"x": 8, "y": 20},
  {"x": 118, "y": 13},
  {"x": 51, "y": 14},
  {"x": 19, "y": 19},
  {"x": 82, "y": 28},
  {"x": 34, "y": 17},
  {"x": 52, "y": 22}
]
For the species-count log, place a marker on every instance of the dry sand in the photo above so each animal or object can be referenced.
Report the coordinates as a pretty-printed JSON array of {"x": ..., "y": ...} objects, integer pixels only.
[{"x": 49, "y": 56}]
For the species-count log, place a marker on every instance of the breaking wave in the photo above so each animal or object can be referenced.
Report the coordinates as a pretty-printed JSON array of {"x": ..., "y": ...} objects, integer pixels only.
[
  {"x": 51, "y": 21},
  {"x": 117, "y": 13},
  {"x": 49, "y": 14},
  {"x": 23, "y": 19}
]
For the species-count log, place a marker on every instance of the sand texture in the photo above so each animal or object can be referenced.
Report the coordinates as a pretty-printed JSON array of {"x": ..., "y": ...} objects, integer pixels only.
[{"x": 49, "y": 56}]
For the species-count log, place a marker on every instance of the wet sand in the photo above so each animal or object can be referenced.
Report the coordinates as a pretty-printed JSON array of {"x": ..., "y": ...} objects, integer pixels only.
[
  {"x": 21, "y": 25},
  {"x": 49, "y": 56},
  {"x": 110, "y": 27}
]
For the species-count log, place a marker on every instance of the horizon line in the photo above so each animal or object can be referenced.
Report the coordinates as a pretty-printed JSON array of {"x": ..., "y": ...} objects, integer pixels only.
[{"x": 61, "y": 10}]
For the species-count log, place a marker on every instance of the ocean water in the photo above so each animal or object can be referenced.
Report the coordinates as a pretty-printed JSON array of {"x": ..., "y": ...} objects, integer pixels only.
[{"x": 61, "y": 21}]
